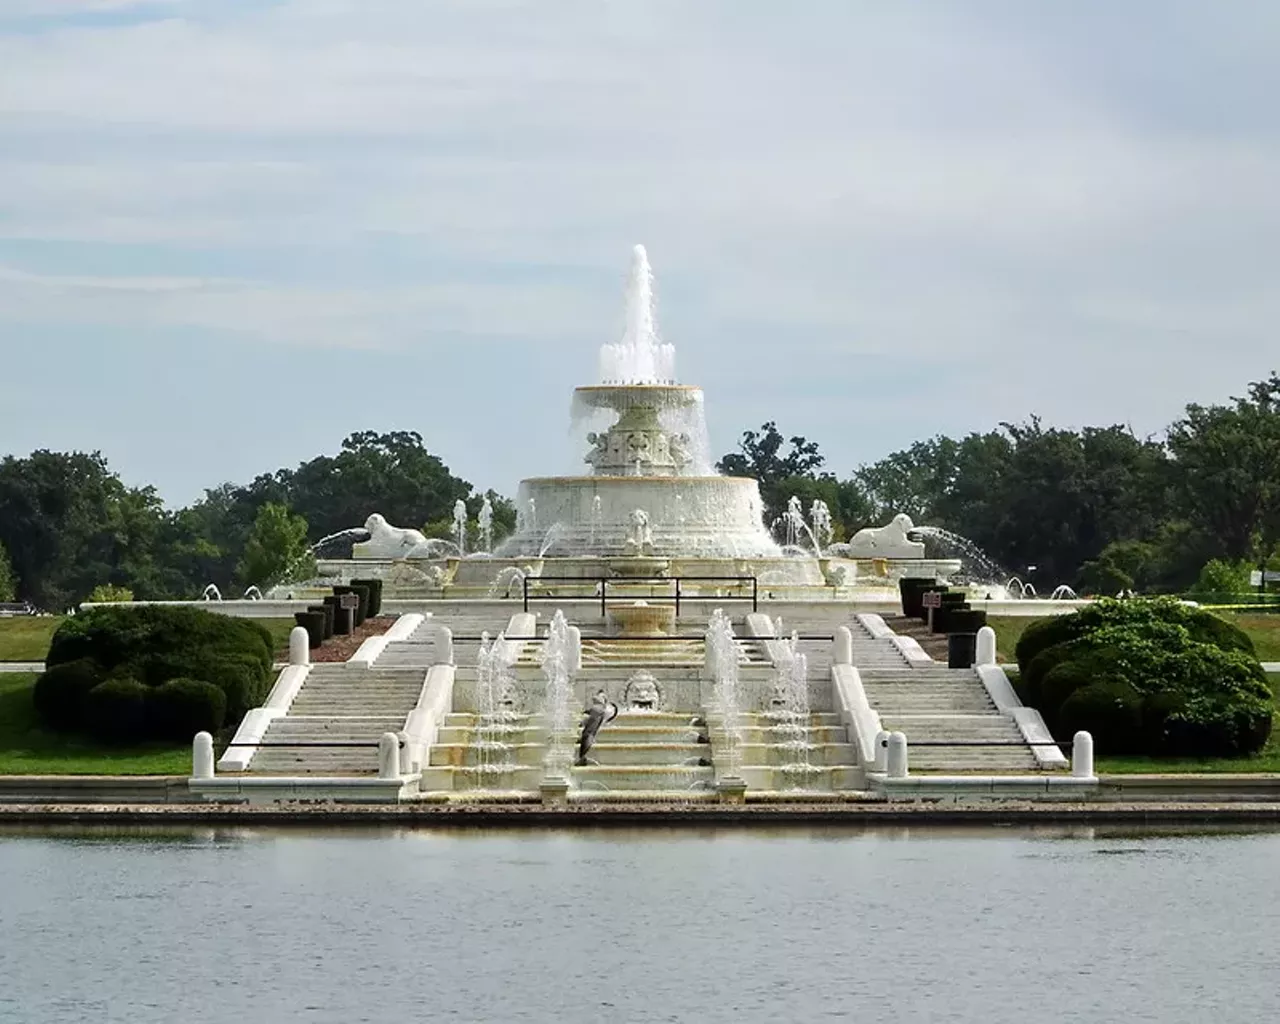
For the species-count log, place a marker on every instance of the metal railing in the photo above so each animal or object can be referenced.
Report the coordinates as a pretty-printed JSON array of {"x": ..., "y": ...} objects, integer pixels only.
[{"x": 602, "y": 584}]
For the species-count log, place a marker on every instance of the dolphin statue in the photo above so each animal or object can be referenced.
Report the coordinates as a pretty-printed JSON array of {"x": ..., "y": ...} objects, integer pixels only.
[{"x": 601, "y": 713}]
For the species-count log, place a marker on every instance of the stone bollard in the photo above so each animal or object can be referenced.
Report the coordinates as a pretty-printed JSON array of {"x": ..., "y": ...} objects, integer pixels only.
[
  {"x": 575, "y": 650},
  {"x": 881, "y": 763},
  {"x": 843, "y": 644},
  {"x": 443, "y": 652},
  {"x": 389, "y": 756},
  {"x": 299, "y": 646},
  {"x": 986, "y": 646},
  {"x": 1082, "y": 755},
  {"x": 202, "y": 750},
  {"x": 406, "y": 753},
  {"x": 897, "y": 755}
]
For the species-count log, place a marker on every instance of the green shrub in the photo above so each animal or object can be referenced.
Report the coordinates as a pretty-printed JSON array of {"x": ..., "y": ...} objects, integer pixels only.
[
  {"x": 149, "y": 646},
  {"x": 1110, "y": 711},
  {"x": 1152, "y": 676},
  {"x": 181, "y": 708},
  {"x": 59, "y": 693},
  {"x": 117, "y": 710}
]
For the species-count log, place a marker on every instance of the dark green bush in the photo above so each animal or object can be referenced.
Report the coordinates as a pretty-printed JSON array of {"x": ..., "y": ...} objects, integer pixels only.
[
  {"x": 117, "y": 710},
  {"x": 1110, "y": 711},
  {"x": 149, "y": 646},
  {"x": 1199, "y": 689},
  {"x": 60, "y": 691},
  {"x": 184, "y": 707}
]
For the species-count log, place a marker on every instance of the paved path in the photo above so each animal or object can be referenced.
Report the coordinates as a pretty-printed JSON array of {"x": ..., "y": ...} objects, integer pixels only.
[
  {"x": 21, "y": 666},
  {"x": 1271, "y": 666}
]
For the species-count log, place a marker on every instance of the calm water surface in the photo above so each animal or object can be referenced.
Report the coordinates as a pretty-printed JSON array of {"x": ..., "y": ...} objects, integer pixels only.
[{"x": 216, "y": 926}]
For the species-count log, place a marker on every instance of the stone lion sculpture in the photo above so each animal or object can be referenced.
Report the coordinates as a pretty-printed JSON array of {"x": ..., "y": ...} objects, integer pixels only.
[
  {"x": 890, "y": 541},
  {"x": 640, "y": 534},
  {"x": 387, "y": 541}
]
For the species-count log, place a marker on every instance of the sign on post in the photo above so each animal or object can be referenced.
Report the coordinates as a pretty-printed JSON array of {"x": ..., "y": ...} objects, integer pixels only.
[
  {"x": 351, "y": 601},
  {"x": 933, "y": 599}
]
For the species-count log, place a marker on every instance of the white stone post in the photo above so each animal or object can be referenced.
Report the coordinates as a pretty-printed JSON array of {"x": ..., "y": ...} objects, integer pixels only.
[
  {"x": 881, "y": 763},
  {"x": 986, "y": 653},
  {"x": 575, "y": 650},
  {"x": 843, "y": 644},
  {"x": 389, "y": 756},
  {"x": 897, "y": 755},
  {"x": 299, "y": 646},
  {"x": 443, "y": 648},
  {"x": 202, "y": 753},
  {"x": 1082, "y": 755},
  {"x": 406, "y": 753}
]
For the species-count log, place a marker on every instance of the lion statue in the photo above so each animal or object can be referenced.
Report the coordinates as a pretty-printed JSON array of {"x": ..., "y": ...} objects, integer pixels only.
[
  {"x": 387, "y": 541},
  {"x": 890, "y": 541}
]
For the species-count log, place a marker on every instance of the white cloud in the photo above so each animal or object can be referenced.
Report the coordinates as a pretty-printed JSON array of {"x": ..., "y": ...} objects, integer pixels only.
[{"x": 873, "y": 187}]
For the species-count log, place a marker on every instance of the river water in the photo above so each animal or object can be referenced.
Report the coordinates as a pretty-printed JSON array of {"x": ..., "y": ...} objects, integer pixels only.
[{"x": 267, "y": 925}]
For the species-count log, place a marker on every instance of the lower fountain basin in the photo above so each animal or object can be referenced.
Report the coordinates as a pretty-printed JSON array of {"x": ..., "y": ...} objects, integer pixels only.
[{"x": 641, "y": 619}]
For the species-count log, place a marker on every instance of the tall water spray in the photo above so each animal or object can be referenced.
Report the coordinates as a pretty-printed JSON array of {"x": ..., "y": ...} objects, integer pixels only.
[
  {"x": 486, "y": 526},
  {"x": 460, "y": 525},
  {"x": 640, "y": 357},
  {"x": 722, "y": 661},
  {"x": 823, "y": 528},
  {"x": 557, "y": 657},
  {"x": 495, "y": 673},
  {"x": 791, "y": 708}
]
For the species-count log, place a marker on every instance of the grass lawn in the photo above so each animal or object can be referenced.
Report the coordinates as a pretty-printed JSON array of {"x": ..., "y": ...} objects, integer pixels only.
[
  {"x": 28, "y": 749},
  {"x": 26, "y": 637},
  {"x": 1265, "y": 760},
  {"x": 1009, "y": 629},
  {"x": 1263, "y": 630}
]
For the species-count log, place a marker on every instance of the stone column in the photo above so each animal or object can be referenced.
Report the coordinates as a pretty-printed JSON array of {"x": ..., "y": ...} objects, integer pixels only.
[
  {"x": 986, "y": 654},
  {"x": 202, "y": 749},
  {"x": 389, "y": 756},
  {"x": 443, "y": 647},
  {"x": 843, "y": 644},
  {"x": 897, "y": 755},
  {"x": 299, "y": 647},
  {"x": 1082, "y": 755}
]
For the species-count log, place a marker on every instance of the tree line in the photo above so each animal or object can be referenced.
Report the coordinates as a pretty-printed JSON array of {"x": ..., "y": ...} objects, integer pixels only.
[
  {"x": 70, "y": 526},
  {"x": 1100, "y": 508}
]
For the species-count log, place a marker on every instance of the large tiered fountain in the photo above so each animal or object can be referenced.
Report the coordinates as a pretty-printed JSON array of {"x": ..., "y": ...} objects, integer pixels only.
[
  {"x": 651, "y": 492},
  {"x": 651, "y": 505}
]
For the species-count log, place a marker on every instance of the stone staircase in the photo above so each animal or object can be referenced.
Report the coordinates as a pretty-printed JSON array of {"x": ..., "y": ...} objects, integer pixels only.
[
  {"x": 929, "y": 702},
  {"x": 339, "y": 703},
  {"x": 648, "y": 751}
]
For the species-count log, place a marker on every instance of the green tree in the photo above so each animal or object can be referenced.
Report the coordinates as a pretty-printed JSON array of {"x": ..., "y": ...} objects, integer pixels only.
[
  {"x": 69, "y": 523},
  {"x": 8, "y": 585},
  {"x": 760, "y": 455},
  {"x": 276, "y": 545},
  {"x": 1227, "y": 469}
]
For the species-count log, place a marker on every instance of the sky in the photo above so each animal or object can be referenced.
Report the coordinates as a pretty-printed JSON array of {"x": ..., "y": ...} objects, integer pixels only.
[{"x": 232, "y": 233}]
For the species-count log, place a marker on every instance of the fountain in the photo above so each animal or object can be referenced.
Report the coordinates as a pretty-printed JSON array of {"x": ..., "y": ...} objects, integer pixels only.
[
  {"x": 722, "y": 662},
  {"x": 790, "y": 711},
  {"x": 556, "y": 670},
  {"x": 486, "y": 526},
  {"x": 650, "y": 454},
  {"x": 460, "y": 526},
  {"x": 211, "y": 593}
]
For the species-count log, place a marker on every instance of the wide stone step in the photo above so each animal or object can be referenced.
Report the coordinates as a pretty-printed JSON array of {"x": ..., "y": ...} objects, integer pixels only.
[
  {"x": 772, "y": 755},
  {"x": 641, "y": 778},
  {"x": 815, "y": 734},
  {"x": 804, "y": 778}
]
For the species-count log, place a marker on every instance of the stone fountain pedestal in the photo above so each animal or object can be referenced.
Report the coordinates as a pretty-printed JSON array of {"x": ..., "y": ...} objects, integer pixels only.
[{"x": 641, "y": 619}]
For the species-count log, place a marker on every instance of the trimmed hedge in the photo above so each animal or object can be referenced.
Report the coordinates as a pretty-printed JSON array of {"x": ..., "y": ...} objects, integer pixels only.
[
  {"x": 152, "y": 672},
  {"x": 1153, "y": 677}
]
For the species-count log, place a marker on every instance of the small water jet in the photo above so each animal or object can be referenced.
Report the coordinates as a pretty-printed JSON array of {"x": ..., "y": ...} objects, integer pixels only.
[
  {"x": 252, "y": 593},
  {"x": 976, "y": 565},
  {"x": 460, "y": 526},
  {"x": 557, "y": 659},
  {"x": 211, "y": 593},
  {"x": 722, "y": 661}
]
